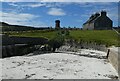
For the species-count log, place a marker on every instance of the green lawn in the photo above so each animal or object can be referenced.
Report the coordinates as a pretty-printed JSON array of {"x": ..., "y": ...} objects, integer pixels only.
[
  {"x": 38, "y": 33},
  {"x": 107, "y": 37}
]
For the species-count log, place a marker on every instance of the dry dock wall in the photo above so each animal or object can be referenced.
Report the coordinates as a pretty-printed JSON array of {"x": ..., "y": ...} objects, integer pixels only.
[
  {"x": 13, "y": 46},
  {"x": 113, "y": 58}
]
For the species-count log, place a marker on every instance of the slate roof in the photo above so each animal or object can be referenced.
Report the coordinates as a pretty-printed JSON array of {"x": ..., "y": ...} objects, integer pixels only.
[{"x": 92, "y": 18}]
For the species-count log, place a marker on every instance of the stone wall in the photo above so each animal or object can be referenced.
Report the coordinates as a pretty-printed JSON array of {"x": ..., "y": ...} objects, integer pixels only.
[
  {"x": 113, "y": 58},
  {"x": 16, "y": 50},
  {"x": 14, "y": 46},
  {"x": 11, "y": 40},
  {"x": 0, "y": 45},
  {"x": 83, "y": 45}
]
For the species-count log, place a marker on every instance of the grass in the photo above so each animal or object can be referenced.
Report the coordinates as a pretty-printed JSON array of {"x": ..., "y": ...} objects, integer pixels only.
[
  {"x": 107, "y": 37},
  {"x": 39, "y": 33}
]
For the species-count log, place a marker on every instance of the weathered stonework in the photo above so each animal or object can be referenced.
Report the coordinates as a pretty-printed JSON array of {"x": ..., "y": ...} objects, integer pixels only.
[
  {"x": 98, "y": 22},
  {"x": 57, "y": 24},
  {"x": 113, "y": 58}
]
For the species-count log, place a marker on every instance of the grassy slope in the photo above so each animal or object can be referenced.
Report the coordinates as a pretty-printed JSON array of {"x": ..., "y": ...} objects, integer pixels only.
[
  {"x": 39, "y": 33},
  {"x": 107, "y": 37}
]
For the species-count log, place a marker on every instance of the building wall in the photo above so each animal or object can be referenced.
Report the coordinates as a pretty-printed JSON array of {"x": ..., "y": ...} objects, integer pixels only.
[
  {"x": 85, "y": 27},
  {"x": 103, "y": 23},
  {"x": 91, "y": 26},
  {"x": 88, "y": 26},
  {"x": 99, "y": 23}
]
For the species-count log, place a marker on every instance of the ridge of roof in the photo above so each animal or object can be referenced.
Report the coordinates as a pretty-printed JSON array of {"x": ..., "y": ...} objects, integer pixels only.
[
  {"x": 95, "y": 18},
  {"x": 91, "y": 20}
]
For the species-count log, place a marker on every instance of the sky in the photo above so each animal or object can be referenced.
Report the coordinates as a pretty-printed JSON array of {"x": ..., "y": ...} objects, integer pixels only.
[{"x": 44, "y": 14}]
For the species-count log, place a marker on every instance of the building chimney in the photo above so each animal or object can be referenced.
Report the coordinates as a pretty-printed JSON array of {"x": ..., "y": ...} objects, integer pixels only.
[
  {"x": 103, "y": 13},
  {"x": 92, "y": 16},
  {"x": 97, "y": 14},
  {"x": 57, "y": 24}
]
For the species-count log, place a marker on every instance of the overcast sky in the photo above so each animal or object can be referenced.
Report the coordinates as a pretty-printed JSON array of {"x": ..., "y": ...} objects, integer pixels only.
[{"x": 43, "y": 14}]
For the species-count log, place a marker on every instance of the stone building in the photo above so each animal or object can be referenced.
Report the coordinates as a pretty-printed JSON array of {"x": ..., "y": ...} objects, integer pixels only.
[
  {"x": 98, "y": 21},
  {"x": 57, "y": 24}
]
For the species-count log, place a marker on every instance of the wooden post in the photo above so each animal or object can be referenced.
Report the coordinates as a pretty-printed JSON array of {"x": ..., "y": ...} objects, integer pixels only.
[{"x": 108, "y": 53}]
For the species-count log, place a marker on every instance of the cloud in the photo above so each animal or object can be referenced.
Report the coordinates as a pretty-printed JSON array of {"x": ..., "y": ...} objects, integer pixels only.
[
  {"x": 28, "y": 4},
  {"x": 78, "y": 0},
  {"x": 17, "y": 0},
  {"x": 92, "y": 4},
  {"x": 12, "y": 4},
  {"x": 59, "y": 0},
  {"x": 20, "y": 19},
  {"x": 38, "y": 4},
  {"x": 56, "y": 12}
]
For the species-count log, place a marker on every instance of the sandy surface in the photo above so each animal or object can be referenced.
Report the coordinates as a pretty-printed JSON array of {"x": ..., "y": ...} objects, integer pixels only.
[{"x": 58, "y": 66}]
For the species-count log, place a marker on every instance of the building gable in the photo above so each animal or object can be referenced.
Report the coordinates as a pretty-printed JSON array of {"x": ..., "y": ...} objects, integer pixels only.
[{"x": 97, "y": 21}]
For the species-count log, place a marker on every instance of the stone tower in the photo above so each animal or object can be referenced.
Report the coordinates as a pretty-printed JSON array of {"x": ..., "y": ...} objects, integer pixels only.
[{"x": 57, "y": 24}]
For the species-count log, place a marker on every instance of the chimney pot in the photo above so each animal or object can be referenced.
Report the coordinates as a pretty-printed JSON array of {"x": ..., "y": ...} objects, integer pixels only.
[{"x": 103, "y": 13}]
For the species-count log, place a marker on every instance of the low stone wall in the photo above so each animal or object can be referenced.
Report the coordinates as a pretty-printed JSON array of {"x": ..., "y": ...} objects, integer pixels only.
[
  {"x": 11, "y": 40},
  {"x": 16, "y": 50},
  {"x": 94, "y": 46},
  {"x": 113, "y": 58},
  {"x": 15, "y": 46},
  {"x": 84, "y": 45}
]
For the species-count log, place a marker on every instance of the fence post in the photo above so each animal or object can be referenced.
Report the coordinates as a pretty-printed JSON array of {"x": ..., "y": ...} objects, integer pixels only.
[{"x": 108, "y": 53}]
